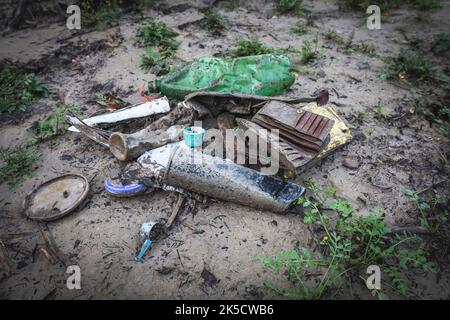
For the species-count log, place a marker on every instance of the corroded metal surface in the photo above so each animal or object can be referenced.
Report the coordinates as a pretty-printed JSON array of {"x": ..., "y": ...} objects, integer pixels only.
[{"x": 56, "y": 198}]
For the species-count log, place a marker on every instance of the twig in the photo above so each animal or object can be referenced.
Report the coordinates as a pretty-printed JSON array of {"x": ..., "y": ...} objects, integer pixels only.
[
  {"x": 175, "y": 210},
  {"x": 52, "y": 249}
]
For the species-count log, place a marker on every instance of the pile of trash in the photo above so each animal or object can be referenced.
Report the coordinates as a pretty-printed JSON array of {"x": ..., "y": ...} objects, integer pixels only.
[{"x": 226, "y": 133}]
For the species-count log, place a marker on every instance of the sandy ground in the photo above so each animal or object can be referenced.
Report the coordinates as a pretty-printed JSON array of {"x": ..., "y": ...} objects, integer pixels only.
[{"x": 219, "y": 237}]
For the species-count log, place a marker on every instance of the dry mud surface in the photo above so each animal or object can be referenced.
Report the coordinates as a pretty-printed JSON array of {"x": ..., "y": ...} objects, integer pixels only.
[{"x": 218, "y": 238}]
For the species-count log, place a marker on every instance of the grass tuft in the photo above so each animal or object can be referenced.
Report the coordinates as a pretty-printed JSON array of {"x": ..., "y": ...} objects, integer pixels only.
[
  {"x": 250, "y": 47},
  {"x": 54, "y": 124},
  {"x": 17, "y": 162},
  {"x": 155, "y": 33},
  {"x": 18, "y": 90},
  {"x": 214, "y": 21},
  {"x": 289, "y": 7},
  {"x": 407, "y": 65}
]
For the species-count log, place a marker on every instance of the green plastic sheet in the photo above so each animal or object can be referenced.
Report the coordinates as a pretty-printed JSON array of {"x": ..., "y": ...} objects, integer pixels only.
[{"x": 266, "y": 75}]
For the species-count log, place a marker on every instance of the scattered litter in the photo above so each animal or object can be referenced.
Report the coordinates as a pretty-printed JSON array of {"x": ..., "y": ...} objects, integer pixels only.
[
  {"x": 140, "y": 96},
  {"x": 130, "y": 146},
  {"x": 110, "y": 101},
  {"x": 129, "y": 190},
  {"x": 56, "y": 198},
  {"x": 176, "y": 165},
  {"x": 144, "y": 249},
  {"x": 143, "y": 110},
  {"x": 149, "y": 232},
  {"x": 96, "y": 134},
  {"x": 193, "y": 136},
  {"x": 303, "y": 129},
  {"x": 212, "y": 104}
]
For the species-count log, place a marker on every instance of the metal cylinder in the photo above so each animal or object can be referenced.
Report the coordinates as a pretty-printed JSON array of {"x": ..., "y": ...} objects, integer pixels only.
[
  {"x": 130, "y": 146},
  {"x": 192, "y": 170}
]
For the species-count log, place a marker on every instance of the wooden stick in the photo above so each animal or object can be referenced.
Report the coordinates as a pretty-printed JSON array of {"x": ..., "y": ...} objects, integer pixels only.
[
  {"x": 175, "y": 210},
  {"x": 51, "y": 244}
]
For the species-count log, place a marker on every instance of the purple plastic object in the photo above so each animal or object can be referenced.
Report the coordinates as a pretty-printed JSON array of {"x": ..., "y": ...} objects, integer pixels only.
[{"x": 123, "y": 191}]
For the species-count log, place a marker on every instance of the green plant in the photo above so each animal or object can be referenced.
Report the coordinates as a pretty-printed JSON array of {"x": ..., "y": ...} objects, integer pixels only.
[
  {"x": 150, "y": 59},
  {"x": 99, "y": 14},
  {"x": 214, "y": 21},
  {"x": 347, "y": 245},
  {"x": 250, "y": 47},
  {"x": 406, "y": 65},
  {"x": 109, "y": 100},
  {"x": 102, "y": 14},
  {"x": 16, "y": 162},
  {"x": 18, "y": 89},
  {"x": 441, "y": 44},
  {"x": 333, "y": 36},
  {"x": 307, "y": 53},
  {"x": 289, "y": 7},
  {"x": 54, "y": 124},
  {"x": 357, "y": 118},
  {"x": 152, "y": 34},
  {"x": 424, "y": 5},
  {"x": 300, "y": 28},
  {"x": 379, "y": 115},
  {"x": 155, "y": 33},
  {"x": 348, "y": 45},
  {"x": 157, "y": 61}
]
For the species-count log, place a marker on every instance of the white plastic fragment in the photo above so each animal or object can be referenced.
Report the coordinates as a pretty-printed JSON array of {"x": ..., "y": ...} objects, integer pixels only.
[{"x": 134, "y": 112}]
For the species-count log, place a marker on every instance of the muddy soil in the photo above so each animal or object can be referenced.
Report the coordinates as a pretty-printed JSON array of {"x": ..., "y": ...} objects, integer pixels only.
[{"x": 209, "y": 254}]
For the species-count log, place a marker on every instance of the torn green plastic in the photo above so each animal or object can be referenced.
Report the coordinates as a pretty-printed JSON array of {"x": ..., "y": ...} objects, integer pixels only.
[{"x": 266, "y": 75}]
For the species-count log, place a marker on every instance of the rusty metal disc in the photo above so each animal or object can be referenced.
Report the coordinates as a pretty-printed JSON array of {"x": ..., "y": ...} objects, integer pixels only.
[{"x": 56, "y": 198}]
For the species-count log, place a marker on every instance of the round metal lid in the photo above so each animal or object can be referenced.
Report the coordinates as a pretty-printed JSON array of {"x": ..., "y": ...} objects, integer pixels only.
[{"x": 56, "y": 198}]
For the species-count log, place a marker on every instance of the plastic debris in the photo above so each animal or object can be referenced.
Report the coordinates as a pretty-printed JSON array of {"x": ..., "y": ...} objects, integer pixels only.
[
  {"x": 148, "y": 233},
  {"x": 128, "y": 190},
  {"x": 143, "y": 110},
  {"x": 193, "y": 136},
  {"x": 265, "y": 75}
]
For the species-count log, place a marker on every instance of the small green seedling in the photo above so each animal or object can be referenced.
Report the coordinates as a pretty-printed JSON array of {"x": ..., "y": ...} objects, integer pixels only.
[
  {"x": 18, "y": 90},
  {"x": 214, "y": 21},
  {"x": 250, "y": 47},
  {"x": 294, "y": 7},
  {"x": 16, "y": 163},
  {"x": 300, "y": 28},
  {"x": 54, "y": 124}
]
